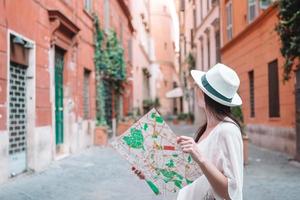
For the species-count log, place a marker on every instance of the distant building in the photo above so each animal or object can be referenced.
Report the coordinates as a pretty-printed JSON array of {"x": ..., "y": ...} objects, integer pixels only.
[
  {"x": 251, "y": 46},
  {"x": 47, "y": 78},
  {"x": 162, "y": 30},
  {"x": 200, "y": 40},
  {"x": 143, "y": 74}
]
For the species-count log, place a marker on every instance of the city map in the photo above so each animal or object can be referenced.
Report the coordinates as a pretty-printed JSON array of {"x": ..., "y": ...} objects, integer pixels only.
[{"x": 150, "y": 146}]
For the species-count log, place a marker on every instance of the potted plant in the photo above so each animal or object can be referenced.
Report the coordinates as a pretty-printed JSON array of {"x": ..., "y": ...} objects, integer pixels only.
[
  {"x": 238, "y": 114},
  {"x": 190, "y": 118},
  {"x": 175, "y": 120},
  {"x": 147, "y": 105},
  {"x": 101, "y": 135},
  {"x": 125, "y": 124},
  {"x": 181, "y": 117}
]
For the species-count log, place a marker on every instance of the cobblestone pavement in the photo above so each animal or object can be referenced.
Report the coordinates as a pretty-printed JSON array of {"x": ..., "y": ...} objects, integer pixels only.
[{"x": 101, "y": 174}]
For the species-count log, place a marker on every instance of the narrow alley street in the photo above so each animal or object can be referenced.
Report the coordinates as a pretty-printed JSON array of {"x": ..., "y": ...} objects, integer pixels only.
[
  {"x": 75, "y": 74},
  {"x": 99, "y": 173}
]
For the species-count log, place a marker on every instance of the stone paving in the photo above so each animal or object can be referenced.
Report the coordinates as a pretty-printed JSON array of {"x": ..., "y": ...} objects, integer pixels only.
[{"x": 99, "y": 173}]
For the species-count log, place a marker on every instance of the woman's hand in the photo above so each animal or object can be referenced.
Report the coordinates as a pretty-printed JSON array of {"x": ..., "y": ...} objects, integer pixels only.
[
  {"x": 189, "y": 145},
  {"x": 138, "y": 173}
]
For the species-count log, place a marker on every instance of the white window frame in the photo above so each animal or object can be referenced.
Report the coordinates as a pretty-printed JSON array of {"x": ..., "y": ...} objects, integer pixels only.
[
  {"x": 30, "y": 94},
  {"x": 252, "y": 3},
  {"x": 229, "y": 26},
  {"x": 106, "y": 14},
  {"x": 88, "y": 5},
  {"x": 264, "y": 4},
  {"x": 86, "y": 91}
]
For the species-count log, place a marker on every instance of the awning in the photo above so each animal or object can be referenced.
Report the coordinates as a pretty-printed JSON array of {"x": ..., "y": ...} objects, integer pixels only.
[{"x": 176, "y": 92}]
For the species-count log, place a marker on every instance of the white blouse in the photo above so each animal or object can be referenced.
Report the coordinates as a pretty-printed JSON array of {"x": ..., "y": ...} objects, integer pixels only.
[{"x": 224, "y": 148}]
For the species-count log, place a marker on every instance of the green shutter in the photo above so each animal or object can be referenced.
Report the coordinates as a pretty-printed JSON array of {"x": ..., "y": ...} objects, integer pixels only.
[{"x": 59, "y": 96}]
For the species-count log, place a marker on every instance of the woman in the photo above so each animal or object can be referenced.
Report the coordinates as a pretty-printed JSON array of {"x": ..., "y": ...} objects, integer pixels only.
[{"x": 218, "y": 147}]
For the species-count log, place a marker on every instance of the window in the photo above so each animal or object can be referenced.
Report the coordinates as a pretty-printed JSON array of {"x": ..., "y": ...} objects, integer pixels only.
[
  {"x": 218, "y": 46},
  {"x": 192, "y": 38},
  {"x": 202, "y": 56},
  {"x": 106, "y": 15},
  {"x": 184, "y": 79},
  {"x": 184, "y": 46},
  {"x": 182, "y": 5},
  {"x": 252, "y": 10},
  {"x": 88, "y": 6},
  {"x": 251, "y": 92},
  {"x": 130, "y": 50},
  {"x": 229, "y": 20},
  {"x": 208, "y": 51},
  {"x": 86, "y": 94},
  {"x": 194, "y": 17},
  {"x": 273, "y": 89},
  {"x": 264, "y": 4},
  {"x": 121, "y": 31},
  {"x": 200, "y": 11},
  {"x": 207, "y": 3}
]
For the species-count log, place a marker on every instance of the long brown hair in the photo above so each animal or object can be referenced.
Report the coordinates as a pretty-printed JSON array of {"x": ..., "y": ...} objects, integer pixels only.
[{"x": 219, "y": 111}]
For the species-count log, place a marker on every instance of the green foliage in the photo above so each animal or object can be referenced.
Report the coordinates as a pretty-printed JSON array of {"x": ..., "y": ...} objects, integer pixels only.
[
  {"x": 146, "y": 72},
  {"x": 149, "y": 103},
  {"x": 100, "y": 106},
  {"x": 186, "y": 116},
  {"x": 182, "y": 116},
  {"x": 237, "y": 113},
  {"x": 110, "y": 67},
  {"x": 288, "y": 29},
  {"x": 191, "y": 61},
  {"x": 156, "y": 102},
  {"x": 115, "y": 64}
]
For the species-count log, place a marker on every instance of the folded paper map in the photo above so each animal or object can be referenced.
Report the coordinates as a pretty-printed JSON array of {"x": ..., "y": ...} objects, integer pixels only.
[{"x": 150, "y": 146}]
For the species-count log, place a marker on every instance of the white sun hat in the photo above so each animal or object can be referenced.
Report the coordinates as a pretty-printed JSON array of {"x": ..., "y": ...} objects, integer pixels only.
[{"x": 220, "y": 83}]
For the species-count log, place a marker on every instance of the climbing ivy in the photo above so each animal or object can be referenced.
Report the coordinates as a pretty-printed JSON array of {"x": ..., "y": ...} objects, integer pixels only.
[
  {"x": 110, "y": 71},
  {"x": 98, "y": 59},
  {"x": 288, "y": 29},
  {"x": 191, "y": 61}
]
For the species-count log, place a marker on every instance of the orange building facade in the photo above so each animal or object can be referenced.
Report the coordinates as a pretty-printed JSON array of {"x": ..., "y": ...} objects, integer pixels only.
[
  {"x": 251, "y": 46},
  {"x": 47, "y": 78}
]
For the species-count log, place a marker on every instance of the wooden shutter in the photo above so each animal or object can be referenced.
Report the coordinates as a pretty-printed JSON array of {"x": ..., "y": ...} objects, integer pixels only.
[
  {"x": 251, "y": 93},
  {"x": 274, "y": 110}
]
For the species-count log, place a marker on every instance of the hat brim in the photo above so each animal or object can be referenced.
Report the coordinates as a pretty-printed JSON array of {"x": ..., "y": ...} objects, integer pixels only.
[{"x": 236, "y": 100}]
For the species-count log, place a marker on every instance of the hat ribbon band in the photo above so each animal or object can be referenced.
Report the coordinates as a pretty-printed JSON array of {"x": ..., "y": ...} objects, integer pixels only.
[{"x": 210, "y": 89}]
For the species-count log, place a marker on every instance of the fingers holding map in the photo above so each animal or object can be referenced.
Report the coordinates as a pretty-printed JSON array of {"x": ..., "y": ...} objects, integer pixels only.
[{"x": 151, "y": 146}]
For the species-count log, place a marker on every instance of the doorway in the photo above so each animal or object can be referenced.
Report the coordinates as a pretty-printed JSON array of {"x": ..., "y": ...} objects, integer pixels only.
[
  {"x": 59, "y": 96},
  {"x": 20, "y": 101},
  {"x": 297, "y": 100},
  {"x": 17, "y": 118}
]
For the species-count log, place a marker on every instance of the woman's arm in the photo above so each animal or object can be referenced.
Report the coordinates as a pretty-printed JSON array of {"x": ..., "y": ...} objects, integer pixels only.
[{"x": 218, "y": 181}]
